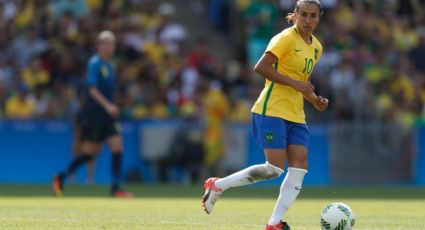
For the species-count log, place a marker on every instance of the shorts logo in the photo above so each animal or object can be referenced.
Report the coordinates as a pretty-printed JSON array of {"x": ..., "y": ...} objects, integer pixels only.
[{"x": 269, "y": 137}]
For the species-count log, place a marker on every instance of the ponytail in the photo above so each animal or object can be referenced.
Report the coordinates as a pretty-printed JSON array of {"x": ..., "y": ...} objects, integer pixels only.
[{"x": 291, "y": 17}]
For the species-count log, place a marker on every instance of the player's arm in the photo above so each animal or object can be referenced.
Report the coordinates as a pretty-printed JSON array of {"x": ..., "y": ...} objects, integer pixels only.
[
  {"x": 319, "y": 102},
  {"x": 110, "y": 108},
  {"x": 265, "y": 68},
  {"x": 94, "y": 92}
]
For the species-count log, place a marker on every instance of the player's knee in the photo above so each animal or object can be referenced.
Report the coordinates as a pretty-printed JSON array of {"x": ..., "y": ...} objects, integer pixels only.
[
  {"x": 116, "y": 147},
  {"x": 90, "y": 148},
  {"x": 264, "y": 172},
  {"x": 298, "y": 160},
  {"x": 273, "y": 171},
  {"x": 117, "y": 150}
]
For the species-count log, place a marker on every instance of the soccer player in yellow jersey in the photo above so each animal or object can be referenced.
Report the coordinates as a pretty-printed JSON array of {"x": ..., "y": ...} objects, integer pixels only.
[{"x": 278, "y": 120}]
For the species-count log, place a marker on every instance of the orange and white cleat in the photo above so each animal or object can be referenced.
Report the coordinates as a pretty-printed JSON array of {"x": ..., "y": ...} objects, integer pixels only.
[
  {"x": 57, "y": 186},
  {"x": 122, "y": 194},
  {"x": 212, "y": 193},
  {"x": 279, "y": 226}
]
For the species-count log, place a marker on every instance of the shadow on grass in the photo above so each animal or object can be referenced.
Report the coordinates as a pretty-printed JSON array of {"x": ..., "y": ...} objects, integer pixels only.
[{"x": 196, "y": 191}]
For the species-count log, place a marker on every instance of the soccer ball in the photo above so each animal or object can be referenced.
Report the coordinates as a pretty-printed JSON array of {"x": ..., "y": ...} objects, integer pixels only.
[{"x": 337, "y": 216}]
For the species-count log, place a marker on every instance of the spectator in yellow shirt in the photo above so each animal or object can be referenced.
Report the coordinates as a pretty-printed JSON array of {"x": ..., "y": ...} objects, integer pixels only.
[
  {"x": 216, "y": 109},
  {"x": 34, "y": 75},
  {"x": 20, "y": 106}
]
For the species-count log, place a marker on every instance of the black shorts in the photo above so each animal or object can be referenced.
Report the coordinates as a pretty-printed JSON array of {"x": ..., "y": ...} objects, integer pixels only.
[
  {"x": 76, "y": 125},
  {"x": 98, "y": 131}
]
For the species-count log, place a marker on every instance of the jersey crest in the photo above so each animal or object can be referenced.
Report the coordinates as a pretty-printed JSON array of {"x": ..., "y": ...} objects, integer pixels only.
[{"x": 104, "y": 71}]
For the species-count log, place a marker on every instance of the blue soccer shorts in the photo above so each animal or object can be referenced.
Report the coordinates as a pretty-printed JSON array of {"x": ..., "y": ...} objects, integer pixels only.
[{"x": 277, "y": 133}]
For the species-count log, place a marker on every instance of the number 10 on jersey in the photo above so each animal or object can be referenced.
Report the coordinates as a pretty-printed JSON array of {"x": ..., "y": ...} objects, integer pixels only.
[{"x": 308, "y": 66}]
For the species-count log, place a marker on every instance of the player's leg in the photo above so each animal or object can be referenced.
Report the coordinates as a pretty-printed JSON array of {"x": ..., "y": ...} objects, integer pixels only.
[
  {"x": 77, "y": 150},
  {"x": 214, "y": 187},
  {"x": 269, "y": 133},
  {"x": 90, "y": 146},
  {"x": 291, "y": 185},
  {"x": 89, "y": 151},
  {"x": 298, "y": 139},
  {"x": 76, "y": 144},
  {"x": 272, "y": 168},
  {"x": 115, "y": 143}
]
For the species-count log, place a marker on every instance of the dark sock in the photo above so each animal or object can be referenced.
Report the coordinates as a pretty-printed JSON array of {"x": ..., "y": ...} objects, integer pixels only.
[
  {"x": 76, "y": 163},
  {"x": 116, "y": 170}
]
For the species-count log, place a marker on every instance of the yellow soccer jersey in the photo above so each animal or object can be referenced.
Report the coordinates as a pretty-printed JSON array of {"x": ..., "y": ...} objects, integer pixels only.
[{"x": 296, "y": 59}]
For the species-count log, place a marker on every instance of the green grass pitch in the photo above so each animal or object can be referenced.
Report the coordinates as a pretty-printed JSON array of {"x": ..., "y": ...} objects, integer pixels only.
[{"x": 179, "y": 207}]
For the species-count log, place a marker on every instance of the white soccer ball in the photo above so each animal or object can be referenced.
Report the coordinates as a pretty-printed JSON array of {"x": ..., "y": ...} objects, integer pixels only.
[{"x": 337, "y": 216}]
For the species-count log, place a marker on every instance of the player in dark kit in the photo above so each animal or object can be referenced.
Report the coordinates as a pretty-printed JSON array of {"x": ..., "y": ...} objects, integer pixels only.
[{"x": 98, "y": 117}]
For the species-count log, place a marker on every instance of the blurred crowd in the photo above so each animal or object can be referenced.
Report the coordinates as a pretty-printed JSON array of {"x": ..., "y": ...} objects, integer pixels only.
[
  {"x": 371, "y": 67},
  {"x": 45, "y": 46}
]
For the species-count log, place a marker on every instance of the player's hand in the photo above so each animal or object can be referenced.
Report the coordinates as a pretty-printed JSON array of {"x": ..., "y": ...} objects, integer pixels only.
[
  {"x": 304, "y": 87},
  {"x": 113, "y": 110},
  {"x": 321, "y": 103}
]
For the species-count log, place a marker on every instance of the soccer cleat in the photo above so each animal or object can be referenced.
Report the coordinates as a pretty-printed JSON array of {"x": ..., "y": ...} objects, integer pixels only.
[
  {"x": 57, "y": 186},
  {"x": 212, "y": 193},
  {"x": 121, "y": 194},
  {"x": 279, "y": 226}
]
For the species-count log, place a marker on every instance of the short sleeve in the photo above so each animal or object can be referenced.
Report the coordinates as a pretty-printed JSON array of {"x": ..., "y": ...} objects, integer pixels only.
[
  {"x": 280, "y": 45},
  {"x": 92, "y": 69}
]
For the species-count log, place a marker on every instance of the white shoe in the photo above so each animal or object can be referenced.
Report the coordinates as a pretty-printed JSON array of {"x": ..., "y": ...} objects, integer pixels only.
[{"x": 212, "y": 193}]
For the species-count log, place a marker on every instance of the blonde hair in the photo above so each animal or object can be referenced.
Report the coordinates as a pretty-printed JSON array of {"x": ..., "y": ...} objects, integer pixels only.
[
  {"x": 291, "y": 16},
  {"x": 104, "y": 35}
]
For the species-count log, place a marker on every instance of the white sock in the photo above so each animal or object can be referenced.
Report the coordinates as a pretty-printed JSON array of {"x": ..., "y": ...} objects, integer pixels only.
[
  {"x": 289, "y": 191},
  {"x": 249, "y": 175}
]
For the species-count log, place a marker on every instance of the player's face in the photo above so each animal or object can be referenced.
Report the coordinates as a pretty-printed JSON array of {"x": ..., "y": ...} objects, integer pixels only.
[
  {"x": 106, "y": 47},
  {"x": 307, "y": 17}
]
